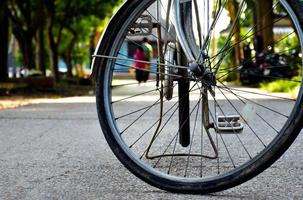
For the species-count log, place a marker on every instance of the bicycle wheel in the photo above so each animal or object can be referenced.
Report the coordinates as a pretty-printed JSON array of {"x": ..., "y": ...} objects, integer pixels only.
[{"x": 204, "y": 134}]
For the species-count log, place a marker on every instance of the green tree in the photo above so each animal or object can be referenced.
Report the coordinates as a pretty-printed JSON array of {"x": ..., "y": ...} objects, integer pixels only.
[
  {"x": 73, "y": 20},
  {"x": 4, "y": 35},
  {"x": 264, "y": 22},
  {"x": 59, "y": 25},
  {"x": 24, "y": 26},
  {"x": 57, "y": 19}
]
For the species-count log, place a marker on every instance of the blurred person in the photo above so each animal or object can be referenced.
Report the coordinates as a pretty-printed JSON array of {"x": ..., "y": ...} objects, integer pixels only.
[
  {"x": 148, "y": 49},
  {"x": 140, "y": 55}
]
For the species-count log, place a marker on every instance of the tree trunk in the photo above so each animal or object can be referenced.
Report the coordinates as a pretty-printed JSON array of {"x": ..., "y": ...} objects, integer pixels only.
[
  {"x": 265, "y": 18},
  {"x": 233, "y": 10},
  {"x": 28, "y": 54},
  {"x": 69, "y": 65},
  {"x": 4, "y": 27},
  {"x": 40, "y": 37},
  {"x": 235, "y": 55},
  {"x": 23, "y": 29},
  {"x": 69, "y": 52},
  {"x": 55, "y": 40},
  {"x": 53, "y": 50},
  {"x": 40, "y": 51},
  {"x": 26, "y": 46}
]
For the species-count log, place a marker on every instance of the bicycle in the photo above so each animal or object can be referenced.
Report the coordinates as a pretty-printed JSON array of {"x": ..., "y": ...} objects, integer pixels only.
[{"x": 187, "y": 130}]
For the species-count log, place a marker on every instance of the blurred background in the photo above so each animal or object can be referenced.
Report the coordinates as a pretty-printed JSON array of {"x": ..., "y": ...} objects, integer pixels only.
[{"x": 47, "y": 44}]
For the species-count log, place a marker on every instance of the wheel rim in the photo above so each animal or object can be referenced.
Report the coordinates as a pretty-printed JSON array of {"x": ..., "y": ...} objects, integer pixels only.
[{"x": 138, "y": 105}]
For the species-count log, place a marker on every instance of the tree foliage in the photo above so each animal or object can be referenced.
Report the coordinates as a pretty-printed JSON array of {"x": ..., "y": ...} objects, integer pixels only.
[{"x": 50, "y": 30}]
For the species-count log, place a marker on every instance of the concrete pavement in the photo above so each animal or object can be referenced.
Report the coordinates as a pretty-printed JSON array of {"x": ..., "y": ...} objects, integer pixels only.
[{"x": 56, "y": 150}]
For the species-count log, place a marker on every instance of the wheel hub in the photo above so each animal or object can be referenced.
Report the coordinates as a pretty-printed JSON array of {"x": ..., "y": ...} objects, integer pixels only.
[{"x": 202, "y": 73}]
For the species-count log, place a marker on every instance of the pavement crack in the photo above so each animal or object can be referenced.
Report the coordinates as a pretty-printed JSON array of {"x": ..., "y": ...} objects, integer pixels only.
[{"x": 64, "y": 174}]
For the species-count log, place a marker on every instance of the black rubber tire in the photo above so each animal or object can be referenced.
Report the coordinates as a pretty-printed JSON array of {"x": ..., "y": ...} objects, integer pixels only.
[{"x": 250, "y": 170}]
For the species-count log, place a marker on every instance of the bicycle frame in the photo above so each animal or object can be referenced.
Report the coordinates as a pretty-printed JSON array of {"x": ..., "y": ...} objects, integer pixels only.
[
  {"x": 182, "y": 39},
  {"x": 183, "y": 15},
  {"x": 182, "y": 10}
]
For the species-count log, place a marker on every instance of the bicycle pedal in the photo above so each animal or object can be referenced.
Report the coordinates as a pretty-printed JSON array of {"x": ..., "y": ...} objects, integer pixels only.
[
  {"x": 229, "y": 124},
  {"x": 143, "y": 26}
]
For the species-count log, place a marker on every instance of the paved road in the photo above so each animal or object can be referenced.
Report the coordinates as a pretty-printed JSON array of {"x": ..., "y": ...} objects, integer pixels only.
[{"x": 57, "y": 151}]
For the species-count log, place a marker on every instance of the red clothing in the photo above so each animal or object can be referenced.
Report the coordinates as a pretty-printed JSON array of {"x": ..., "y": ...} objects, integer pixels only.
[{"x": 139, "y": 56}]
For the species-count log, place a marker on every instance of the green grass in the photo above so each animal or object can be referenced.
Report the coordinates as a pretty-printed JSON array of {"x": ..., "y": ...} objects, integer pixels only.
[{"x": 284, "y": 86}]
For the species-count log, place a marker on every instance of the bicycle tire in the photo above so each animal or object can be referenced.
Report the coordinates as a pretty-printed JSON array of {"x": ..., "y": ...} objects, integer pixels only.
[{"x": 263, "y": 160}]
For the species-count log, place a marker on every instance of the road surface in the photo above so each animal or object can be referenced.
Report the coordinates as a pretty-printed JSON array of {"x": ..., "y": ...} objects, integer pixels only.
[{"x": 56, "y": 150}]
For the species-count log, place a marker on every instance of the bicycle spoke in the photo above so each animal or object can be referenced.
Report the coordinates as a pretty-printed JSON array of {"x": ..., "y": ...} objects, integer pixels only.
[
  {"x": 193, "y": 136},
  {"x": 129, "y": 84},
  {"x": 213, "y": 25},
  {"x": 256, "y": 93},
  {"x": 182, "y": 125},
  {"x": 167, "y": 121},
  {"x": 172, "y": 157},
  {"x": 201, "y": 160},
  {"x": 235, "y": 68},
  {"x": 141, "y": 61},
  {"x": 234, "y": 132},
  {"x": 152, "y": 72},
  {"x": 136, "y": 95},
  {"x": 170, "y": 65},
  {"x": 225, "y": 88},
  {"x": 230, "y": 35},
  {"x": 165, "y": 29},
  {"x": 155, "y": 123},
  {"x": 228, "y": 152},
  {"x": 131, "y": 124},
  {"x": 245, "y": 121},
  {"x": 267, "y": 108},
  {"x": 138, "y": 110},
  {"x": 229, "y": 127},
  {"x": 246, "y": 36}
]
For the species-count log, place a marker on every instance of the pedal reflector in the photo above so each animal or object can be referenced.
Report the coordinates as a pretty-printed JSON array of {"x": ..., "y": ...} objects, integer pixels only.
[{"x": 229, "y": 124}]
